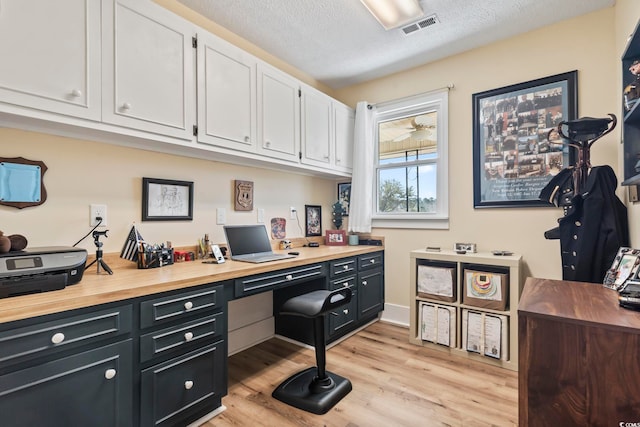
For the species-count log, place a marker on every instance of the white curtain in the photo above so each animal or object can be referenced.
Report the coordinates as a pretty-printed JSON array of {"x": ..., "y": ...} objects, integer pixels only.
[{"x": 361, "y": 200}]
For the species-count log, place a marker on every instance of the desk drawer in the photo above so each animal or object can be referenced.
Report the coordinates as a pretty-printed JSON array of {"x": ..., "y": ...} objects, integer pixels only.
[
  {"x": 178, "y": 306},
  {"x": 172, "y": 390},
  {"x": 170, "y": 339},
  {"x": 342, "y": 267},
  {"x": 370, "y": 261},
  {"x": 277, "y": 279},
  {"x": 79, "y": 329}
]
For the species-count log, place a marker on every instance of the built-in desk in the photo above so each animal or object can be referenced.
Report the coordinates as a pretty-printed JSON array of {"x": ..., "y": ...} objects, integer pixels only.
[
  {"x": 578, "y": 356},
  {"x": 149, "y": 347}
]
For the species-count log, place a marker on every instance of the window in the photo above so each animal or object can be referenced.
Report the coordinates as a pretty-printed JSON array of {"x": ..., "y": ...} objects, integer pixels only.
[{"x": 411, "y": 188}]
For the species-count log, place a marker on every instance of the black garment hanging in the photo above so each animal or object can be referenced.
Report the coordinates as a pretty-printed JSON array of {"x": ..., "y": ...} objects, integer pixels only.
[{"x": 595, "y": 223}]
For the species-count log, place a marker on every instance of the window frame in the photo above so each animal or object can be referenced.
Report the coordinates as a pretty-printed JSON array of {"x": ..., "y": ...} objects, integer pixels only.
[{"x": 409, "y": 106}]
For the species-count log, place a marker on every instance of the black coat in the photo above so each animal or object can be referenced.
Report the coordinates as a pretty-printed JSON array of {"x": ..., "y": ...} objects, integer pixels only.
[{"x": 594, "y": 229}]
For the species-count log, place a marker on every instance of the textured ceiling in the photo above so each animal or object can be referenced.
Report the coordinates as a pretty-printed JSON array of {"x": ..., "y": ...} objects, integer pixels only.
[{"x": 339, "y": 43}]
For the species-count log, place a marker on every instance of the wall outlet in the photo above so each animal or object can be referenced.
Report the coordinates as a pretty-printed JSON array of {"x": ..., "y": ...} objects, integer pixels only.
[
  {"x": 97, "y": 211},
  {"x": 221, "y": 216},
  {"x": 292, "y": 212}
]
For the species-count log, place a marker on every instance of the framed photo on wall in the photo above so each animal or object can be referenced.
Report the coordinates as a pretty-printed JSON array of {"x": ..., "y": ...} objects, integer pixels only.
[
  {"x": 344, "y": 196},
  {"x": 166, "y": 200},
  {"x": 313, "y": 220},
  {"x": 515, "y": 152}
]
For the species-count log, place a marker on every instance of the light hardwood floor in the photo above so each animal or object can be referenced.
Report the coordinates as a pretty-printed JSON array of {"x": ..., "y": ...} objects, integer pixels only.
[{"x": 394, "y": 382}]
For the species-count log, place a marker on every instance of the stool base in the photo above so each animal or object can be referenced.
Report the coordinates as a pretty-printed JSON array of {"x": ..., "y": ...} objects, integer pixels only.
[{"x": 297, "y": 391}]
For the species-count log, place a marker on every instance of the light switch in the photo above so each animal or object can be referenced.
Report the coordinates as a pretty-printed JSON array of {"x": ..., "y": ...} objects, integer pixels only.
[{"x": 221, "y": 216}]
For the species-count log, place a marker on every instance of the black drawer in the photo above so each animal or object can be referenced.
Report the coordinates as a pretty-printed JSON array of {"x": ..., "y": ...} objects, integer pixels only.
[
  {"x": 76, "y": 329},
  {"x": 183, "y": 305},
  {"x": 343, "y": 282},
  {"x": 166, "y": 340},
  {"x": 370, "y": 261},
  {"x": 172, "y": 391},
  {"x": 342, "y": 267},
  {"x": 343, "y": 317},
  {"x": 277, "y": 279}
]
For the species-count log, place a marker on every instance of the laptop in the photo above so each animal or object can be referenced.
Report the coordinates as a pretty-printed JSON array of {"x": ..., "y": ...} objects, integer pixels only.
[{"x": 250, "y": 243}]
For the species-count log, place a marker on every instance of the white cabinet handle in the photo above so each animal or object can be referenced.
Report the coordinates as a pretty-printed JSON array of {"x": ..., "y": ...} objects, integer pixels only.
[
  {"x": 337, "y": 161},
  {"x": 188, "y": 385},
  {"x": 57, "y": 338},
  {"x": 247, "y": 139},
  {"x": 126, "y": 106},
  {"x": 373, "y": 261},
  {"x": 267, "y": 144},
  {"x": 326, "y": 157},
  {"x": 76, "y": 93},
  {"x": 364, "y": 283},
  {"x": 188, "y": 305},
  {"x": 345, "y": 311},
  {"x": 289, "y": 277},
  {"x": 188, "y": 336},
  {"x": 346, "y": 284},
  {"x": 109, "y": 373},
  {"x": 345, "y": 267}
]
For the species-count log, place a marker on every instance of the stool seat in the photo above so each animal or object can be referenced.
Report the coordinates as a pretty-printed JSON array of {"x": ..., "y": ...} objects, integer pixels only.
[{"x": 315, "y": 389}]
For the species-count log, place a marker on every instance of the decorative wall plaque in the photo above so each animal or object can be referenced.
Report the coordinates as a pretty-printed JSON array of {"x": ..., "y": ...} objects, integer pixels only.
[
  {"x": 243, "y": 195},
  {"x": 21, "y": 182}
]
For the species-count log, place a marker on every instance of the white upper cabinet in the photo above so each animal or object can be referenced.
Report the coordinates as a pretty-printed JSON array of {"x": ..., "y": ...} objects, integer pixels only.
[
  {"x": 51, "y": 56},
  {"x": 226, "y": 94},
  {"x": 148, "y": 68},
  {"x": 344, "y": 119},
  {"x": 278, "y": 114},
  {"x": 317, "y": 135}
]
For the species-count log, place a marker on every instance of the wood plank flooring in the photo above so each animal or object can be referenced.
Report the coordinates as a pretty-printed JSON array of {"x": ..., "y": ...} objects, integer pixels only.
[{"x": 394, "y": 382}]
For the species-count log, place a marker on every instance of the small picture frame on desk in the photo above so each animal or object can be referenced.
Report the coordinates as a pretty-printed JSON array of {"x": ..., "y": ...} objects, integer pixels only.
[
  {"x": 623, "y": 268},
  {"x": 335, "y": 238}
]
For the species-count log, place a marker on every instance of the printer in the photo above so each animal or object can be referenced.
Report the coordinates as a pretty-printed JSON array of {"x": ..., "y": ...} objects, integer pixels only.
[{"x": 40, "y": 269}]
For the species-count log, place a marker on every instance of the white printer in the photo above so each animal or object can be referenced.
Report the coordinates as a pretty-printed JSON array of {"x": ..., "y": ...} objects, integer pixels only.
[{"x": 40, "y": 269}]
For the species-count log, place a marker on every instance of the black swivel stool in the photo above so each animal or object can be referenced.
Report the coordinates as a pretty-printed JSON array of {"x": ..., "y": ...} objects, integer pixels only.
[{"x": 315, "y": 390}]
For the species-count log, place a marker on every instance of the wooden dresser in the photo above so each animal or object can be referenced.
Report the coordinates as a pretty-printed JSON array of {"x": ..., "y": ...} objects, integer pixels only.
[{"x": 579, "y": 356}]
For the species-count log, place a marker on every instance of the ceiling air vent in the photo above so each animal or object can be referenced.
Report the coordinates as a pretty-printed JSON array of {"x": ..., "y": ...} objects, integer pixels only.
[{"x": 425, "y": 22}]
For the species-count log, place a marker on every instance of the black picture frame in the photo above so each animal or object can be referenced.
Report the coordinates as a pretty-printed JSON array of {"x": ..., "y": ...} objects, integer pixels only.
[
  {"x": 313, "y": 220},
  {"x": 167, "y": 200},
  {"x": 344, "y": 196},
  {"x": 513, "y": 159}
]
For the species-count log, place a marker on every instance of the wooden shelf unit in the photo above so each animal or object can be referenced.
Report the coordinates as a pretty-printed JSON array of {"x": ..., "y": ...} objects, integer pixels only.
[{"x": 510, "y": 263}]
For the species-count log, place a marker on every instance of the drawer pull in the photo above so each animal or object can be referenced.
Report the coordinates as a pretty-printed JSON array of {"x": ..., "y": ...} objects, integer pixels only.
[
  {"x": 76, "y": 93},
  {"x": 188, "y": 336},
  {"x": 188, "y": 385},
  {"x": 289, "y": 277},
  {"x": 109, "y": 373},
  {"x": 188, "y": 305},
  {"x": 57, "y": 338},
  {"x": 364, "y": 283},
  {"x": 346, "y": 284},
  {"x": 345, "y": 311},
  {"x": 345, "y": 267},
  {"x": 126, "y": 106},
  {"x": 373, "y": 261}
]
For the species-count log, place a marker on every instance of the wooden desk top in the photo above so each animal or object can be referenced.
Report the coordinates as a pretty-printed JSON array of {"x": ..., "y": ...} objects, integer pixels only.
[
  {"x": 577, "y": 302},
  {"x": 129, "y": 282}
]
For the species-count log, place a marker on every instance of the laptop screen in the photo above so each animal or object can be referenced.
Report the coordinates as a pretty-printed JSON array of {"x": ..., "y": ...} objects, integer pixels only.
[{"x": 247, "y": 239}]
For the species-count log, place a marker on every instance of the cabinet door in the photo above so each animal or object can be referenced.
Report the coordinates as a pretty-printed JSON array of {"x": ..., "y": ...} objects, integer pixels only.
[
  {"x": 317, "y": 135},
  {"x": 93, "y": 388},
  {"x": 51, "y": 56},
  {"x": 226, "y": 94},
  {"x": 344, "y": 119},
  {"x": 370, "y": 293},
  {"x": 278, "y": 114},
  {"x": 148, "y": 65}
]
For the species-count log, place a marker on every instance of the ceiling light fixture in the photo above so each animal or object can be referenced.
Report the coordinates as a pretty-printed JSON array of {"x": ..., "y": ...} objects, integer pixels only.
[{"x": 394, "y": 13}]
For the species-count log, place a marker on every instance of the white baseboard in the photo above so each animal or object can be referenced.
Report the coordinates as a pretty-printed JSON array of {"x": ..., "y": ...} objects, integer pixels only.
[
  {"x": 202, "y": 420},
  {"x": 396, "y": 314}
]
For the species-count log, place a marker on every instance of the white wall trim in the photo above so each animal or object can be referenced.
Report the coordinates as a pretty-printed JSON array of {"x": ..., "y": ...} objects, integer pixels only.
[{"x": 396, "y": 314}]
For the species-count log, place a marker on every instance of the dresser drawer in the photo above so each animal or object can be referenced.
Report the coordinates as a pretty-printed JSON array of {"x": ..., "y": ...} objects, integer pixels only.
[
  {"x": 370, "y": 261},
  {"x": 182, "y": 305},
  {"x": 172, "y": 390},
  {"x": 269, "y": 281},
  {"x": 343, "y": 282},
  {"x": 166, "y": 340},
  {"x": 74, "y": 329},
  {"x": 342, "y": 267}
]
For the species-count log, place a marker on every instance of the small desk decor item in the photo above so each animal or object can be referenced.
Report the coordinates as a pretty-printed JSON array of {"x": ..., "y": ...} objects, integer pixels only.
[
  {"x": 166, "y": 200},
  {"x": 466, "y": 247},
  {"x": 513, "y": 157},
  {"x": 313, "y": 220},
  {"x": 623, "y": 268},
  {"x": 21, "y": 182},
  {"x": 335, "y": 238}
]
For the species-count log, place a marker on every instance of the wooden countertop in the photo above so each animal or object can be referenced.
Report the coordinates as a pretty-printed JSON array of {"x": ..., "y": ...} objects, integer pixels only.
[
  {"x": 576, "y": 302},
  {"x": 128, "y": 281}
]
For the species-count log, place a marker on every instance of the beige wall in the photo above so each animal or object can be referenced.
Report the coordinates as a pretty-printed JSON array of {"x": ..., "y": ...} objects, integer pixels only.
[
  {"x": 586, "y": 44},
  {"x": 84, "y": 172}
]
